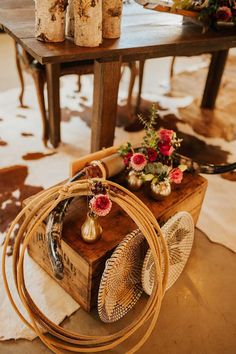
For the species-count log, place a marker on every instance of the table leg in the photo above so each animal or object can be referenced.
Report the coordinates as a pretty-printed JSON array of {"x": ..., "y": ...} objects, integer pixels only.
[
  {"x": 106, "y": 86},
  {"x": 215, "y": 73},
  {"x": 54, "y": 111},
  {"x": 140, "y": 85}
]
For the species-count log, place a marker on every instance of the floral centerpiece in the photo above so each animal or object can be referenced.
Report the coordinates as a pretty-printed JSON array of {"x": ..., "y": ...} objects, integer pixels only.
[
  {"x": 152, "y": 162},
  {"x": 211, "y": 12},
  {"x": 99, "y": 205}
]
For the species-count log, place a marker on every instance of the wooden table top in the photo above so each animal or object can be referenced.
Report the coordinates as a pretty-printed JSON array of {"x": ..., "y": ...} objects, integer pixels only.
[{"x": 145, "y": 34}]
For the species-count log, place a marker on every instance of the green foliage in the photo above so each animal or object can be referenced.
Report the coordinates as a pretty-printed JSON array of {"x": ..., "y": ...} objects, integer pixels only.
[
  {"x": 207, "y": 14},
  {"x": 157, "y": 170},
  {"x": 125, "y": 149},
  {"x": 150, "y": 137}
]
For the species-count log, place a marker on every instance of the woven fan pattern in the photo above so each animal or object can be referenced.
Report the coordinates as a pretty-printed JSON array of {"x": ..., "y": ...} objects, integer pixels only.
[
  {"x": 179, "y": 235},
  {"x": 121, "y": 285}
]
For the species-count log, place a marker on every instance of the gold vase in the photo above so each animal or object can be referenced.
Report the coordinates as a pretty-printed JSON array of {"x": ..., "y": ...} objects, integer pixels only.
[
  {"x": 134, "y": 181},
  {"x": 161, "y": 190},
  {"x": 91, "y": 230}
]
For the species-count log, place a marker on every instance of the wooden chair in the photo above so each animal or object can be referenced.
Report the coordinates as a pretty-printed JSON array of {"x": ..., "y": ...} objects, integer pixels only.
[{"x": 25, "y": 62}]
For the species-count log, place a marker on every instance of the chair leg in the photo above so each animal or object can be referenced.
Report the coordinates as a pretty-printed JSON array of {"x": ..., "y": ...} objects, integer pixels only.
[
  {"x": 79, "y": 84},
  {"x": 172, "y": 66},
  {"x": 122, "y": 71},
  {"x": 39, "y": 80},
  {"x": 133, "y": 74},
  {"x": 140, "y": 85},
  {"x": 171, "y": 74},
  {"x": 21, "y": 77}
]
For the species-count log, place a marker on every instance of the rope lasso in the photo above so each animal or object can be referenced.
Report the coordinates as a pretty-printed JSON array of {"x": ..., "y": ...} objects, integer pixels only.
[{"x": 33, "y": 215}]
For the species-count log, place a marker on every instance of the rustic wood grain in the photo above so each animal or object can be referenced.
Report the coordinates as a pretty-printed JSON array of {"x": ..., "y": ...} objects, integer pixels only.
[
  {"x": 106, "y": 86},
  {"x": 214, "y": 77},
  {"x": 54, "y": 111}
]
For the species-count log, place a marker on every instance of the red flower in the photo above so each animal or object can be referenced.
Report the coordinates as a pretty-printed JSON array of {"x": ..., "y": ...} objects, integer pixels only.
[
  {"x": 166, "y": 135},
  {"x": 100, "y": 204},
  {"x": 127, "y": 158},
  {"x": 223, "y": 13},
  {"x": 166, "y": 148},
  {"x": 138, "y": 161},
  {"x": 176, "y": 175},
  {"x": 152, "y": 154}
]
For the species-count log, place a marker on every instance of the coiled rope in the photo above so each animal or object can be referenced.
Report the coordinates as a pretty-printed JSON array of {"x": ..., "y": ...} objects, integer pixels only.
[{"x": 32, "y": 216}]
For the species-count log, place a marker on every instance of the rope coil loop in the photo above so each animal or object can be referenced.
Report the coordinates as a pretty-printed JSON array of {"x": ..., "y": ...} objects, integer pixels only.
[
  {"x": 101, "y": 166},
  {"x": 59, "y": 338}
]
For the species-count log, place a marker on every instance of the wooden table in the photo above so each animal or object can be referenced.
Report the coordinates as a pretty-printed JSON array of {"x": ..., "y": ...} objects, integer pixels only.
[{"x": 145, "y": 36}]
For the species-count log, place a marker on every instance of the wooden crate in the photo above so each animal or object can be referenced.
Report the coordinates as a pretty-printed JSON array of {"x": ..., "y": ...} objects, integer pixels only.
[{"x": 84, "y": 263}]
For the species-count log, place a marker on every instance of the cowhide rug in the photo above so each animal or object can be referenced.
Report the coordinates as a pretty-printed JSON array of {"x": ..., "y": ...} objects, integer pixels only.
[{"x": 26, "y": 166}]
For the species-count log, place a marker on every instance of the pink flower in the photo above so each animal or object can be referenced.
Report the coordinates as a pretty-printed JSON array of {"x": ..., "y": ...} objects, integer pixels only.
[
  {"x": 166, "y": 149},
  {"x": 176, "y": 175},
  {"x": 100, "y": 204},
  {"x": 166, "y": 135},
  {"x": 223, "y": 13},
  {"x": 138, "y": 161},
  {"x": 127, "y": 158},
  {"x": 152, "y": 154}
]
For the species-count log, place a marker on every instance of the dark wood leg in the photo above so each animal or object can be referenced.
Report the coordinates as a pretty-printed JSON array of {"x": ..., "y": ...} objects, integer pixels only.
[
  {"x": 21, "y": 77},
  {"x": 79, "y": 84},
  {"x": 106, "y": 86},
  {"x": 39, "y": 80},
  {"x": 140, "y": 85},
  {"x": 54, "y": 111},
  {"x": 172, "y": 67},
  {"x": 133, "y": 74},
  {"x": 215, "y": 73}
]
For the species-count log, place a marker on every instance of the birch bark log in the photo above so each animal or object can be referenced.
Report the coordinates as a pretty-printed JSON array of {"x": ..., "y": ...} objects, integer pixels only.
[
  {"x": 50, "y": 20},
  {"x": 88, "y": 22},
  {"x": 70, "y": 19},
  {"x": 112, "y": 12}
]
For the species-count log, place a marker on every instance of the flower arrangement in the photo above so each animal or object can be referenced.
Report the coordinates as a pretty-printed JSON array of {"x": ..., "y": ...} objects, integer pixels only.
[
  {"x": 210, "y": 11},
  {"x": 153, "y": 161},
  {"x": 100, "y": 203}
]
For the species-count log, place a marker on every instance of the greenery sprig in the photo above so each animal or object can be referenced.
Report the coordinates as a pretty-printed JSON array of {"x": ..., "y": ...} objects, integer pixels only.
[{"x": 150, "y": 138}]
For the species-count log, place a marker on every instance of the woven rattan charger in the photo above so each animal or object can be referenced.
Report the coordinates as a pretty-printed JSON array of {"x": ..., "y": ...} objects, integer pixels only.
[{"x": 179, "y": 235}]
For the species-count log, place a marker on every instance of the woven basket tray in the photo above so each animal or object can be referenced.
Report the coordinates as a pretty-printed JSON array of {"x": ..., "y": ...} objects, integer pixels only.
[
  {"x": 190, "y": 14},
  {"x": 169, "y": 9}
]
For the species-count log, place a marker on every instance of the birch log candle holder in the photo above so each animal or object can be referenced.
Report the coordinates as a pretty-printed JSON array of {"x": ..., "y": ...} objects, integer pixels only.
[
  {"x": 88, "y": 23},
  {"x": 112, "y": 12},
  {"x": 50, "y": 20},
  {"x": 70, "y": 19}
]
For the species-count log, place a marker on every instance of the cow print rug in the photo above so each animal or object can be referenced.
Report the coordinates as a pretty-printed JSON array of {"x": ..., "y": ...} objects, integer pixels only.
[{"x": 26, "y": 166}]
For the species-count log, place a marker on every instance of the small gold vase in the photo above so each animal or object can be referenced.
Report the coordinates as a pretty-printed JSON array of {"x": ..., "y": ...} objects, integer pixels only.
[
  {"x": 161, "y": 190},
  {"x": 91, "y": 230},
  {"x": 134, "y": 181}
]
